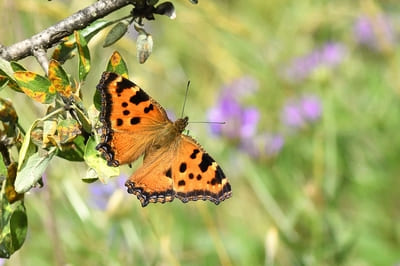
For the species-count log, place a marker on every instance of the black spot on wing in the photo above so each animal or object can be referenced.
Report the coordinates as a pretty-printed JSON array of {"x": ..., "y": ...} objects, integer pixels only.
[
  {"x": 198, "y": 177},
  {"x": 135, "y": 120},
  {"x": 169, "y": 173},
  {"x": 194, "y": 154},
  {"x": 206, "y": 161},
  {"x": 126, "y": 112},
  {"x": 191, "y": 176},
  {"x": 124, "y": 104},
  {"x": 182, "y": 167},
  {"x": 119, "y": 122},
  {"x": 124, "y": 84},
  {"x": 181, "y": 183},
  {"x": 139, "y": 97},
  {"x": 219, "y": 174},
  {"x": 148, "y": 109}
]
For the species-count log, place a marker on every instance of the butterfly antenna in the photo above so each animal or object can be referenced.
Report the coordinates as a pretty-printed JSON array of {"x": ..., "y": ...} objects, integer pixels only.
[{"x": 186, "y": 94}]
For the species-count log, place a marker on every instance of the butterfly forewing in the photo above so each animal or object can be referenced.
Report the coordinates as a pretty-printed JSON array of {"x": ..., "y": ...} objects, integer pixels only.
[
  {"x": 131, "y": 119},
  {"x": 174, "y": 165}
]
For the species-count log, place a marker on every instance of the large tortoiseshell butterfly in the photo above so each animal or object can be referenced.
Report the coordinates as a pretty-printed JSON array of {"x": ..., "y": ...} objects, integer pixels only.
[{"x": 174, "y": 164}]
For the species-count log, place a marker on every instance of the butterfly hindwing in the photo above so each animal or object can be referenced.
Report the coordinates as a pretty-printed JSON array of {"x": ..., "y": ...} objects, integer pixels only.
[
  {"x": 196, "y": 176},
  {"x": 191, "y": 176}
]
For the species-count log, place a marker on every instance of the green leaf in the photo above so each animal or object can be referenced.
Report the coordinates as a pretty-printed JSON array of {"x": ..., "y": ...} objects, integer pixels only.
[
  {"x": 18, "y": 228},
  {"x": 116, "y": 33},
  {"x": 59, "y": 78},
  {"x": 33, "y": 170},
  {"x": 63, "y": 51},
  {"x": 9, "y": 117},
  {"x": 35, "y": 86},
  {"x": 3, "y": 168},
  {"x": 6, "y": 68},
  {"x": 83, "y": 118},
  {"x": 94, "y": 160},
  {"x": 75, "y": 151},
  {"x": 6, "y": 73},
  {"x": 23, "y": 152},
  {"x": 84, "y": 55},
  {"x": 68, "y": 129},
  {"x": 17, "y": 67},
  {"x": 117, "y": 65},
  {"x": 13, "y": 225}
]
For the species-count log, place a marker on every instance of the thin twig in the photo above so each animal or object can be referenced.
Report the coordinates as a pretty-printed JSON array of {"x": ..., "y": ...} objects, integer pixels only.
[
  {"x": 53, "y": 35},
  {"x": 41, "y": 57}
]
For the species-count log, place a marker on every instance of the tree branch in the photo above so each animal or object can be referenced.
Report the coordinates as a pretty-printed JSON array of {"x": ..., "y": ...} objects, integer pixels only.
[{"x": 51, "y": 36}]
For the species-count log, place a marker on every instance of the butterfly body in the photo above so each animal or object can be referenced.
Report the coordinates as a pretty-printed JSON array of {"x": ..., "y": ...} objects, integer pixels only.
[{"x": 174, "y": 164}]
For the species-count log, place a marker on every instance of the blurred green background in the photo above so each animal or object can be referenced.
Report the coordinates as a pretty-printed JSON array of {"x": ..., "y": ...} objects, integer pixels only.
[{"x": 311, "y": 148}]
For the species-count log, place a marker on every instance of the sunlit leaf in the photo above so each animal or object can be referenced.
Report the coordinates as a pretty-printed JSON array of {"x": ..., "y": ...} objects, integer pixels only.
[
  {"x": 84, "y": 55},
  {"x": 117, "y": 65},
  {"x": 33, "y": 170},
  {"x": 59, "y": 78},
  {"x": 49, "y": 130},
  {"x": 99, "y": 164},
  {"x": 68, "y": 130},
  {"x": 83, "y": 118},
  {"x": 17, "y": 67},
  {"x": 35, "y": 86},
  {"x": 26, "y": 144},
  {"x": 116, "y": 33},
  {"x": 5, "y": 79}
]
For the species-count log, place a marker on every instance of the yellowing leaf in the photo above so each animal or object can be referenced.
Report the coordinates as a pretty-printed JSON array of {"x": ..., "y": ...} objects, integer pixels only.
[{"x": 35, "y": 86}]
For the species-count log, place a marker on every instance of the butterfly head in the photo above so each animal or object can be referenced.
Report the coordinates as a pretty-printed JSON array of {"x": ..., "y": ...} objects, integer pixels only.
[{"x": 181, "y": 124}]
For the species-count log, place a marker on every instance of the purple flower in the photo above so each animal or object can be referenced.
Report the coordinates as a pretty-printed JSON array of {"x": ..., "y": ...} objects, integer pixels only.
[
  {"x": 298, "y": 112},
  {"x": 311, "y": 107},
  {"x": 263, "y": 145},
  {"x": 241, "y": 121},
  {"x": 330, "y": 55},
  {"x": 375, "y": 32},
  {"x": 100, "y": 193},
  {"x": 292, "y": 115}
]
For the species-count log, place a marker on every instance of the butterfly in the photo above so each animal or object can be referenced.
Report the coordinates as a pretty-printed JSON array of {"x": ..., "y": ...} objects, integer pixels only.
[{"x": 174, "y": 164}]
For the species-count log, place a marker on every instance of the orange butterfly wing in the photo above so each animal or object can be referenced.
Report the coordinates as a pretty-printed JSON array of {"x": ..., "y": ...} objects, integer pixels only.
[
  {"x": 183, "y": 170},
  {"x": 174, "y": 164},
  {"x": 131, "y": 119}
]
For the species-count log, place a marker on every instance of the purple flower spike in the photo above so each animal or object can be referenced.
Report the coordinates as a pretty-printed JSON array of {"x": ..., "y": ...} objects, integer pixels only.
[
  {"x": 241, "y": 122},
  {"x": 292, "y": 115},
  {"x": 263, "y": 145},
  {"x": 374, "y": 32},
  {"x": 311, "y": 108},
  {"x": 250, "y": 118},
  {"x": 330, "y": 55},
  {"x": 296, "y": 113},
  {"x": 274, "y": 145}
]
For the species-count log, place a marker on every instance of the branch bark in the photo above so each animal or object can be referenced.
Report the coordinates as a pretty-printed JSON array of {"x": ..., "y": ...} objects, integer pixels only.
[{"x": 51, "y": 36}]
